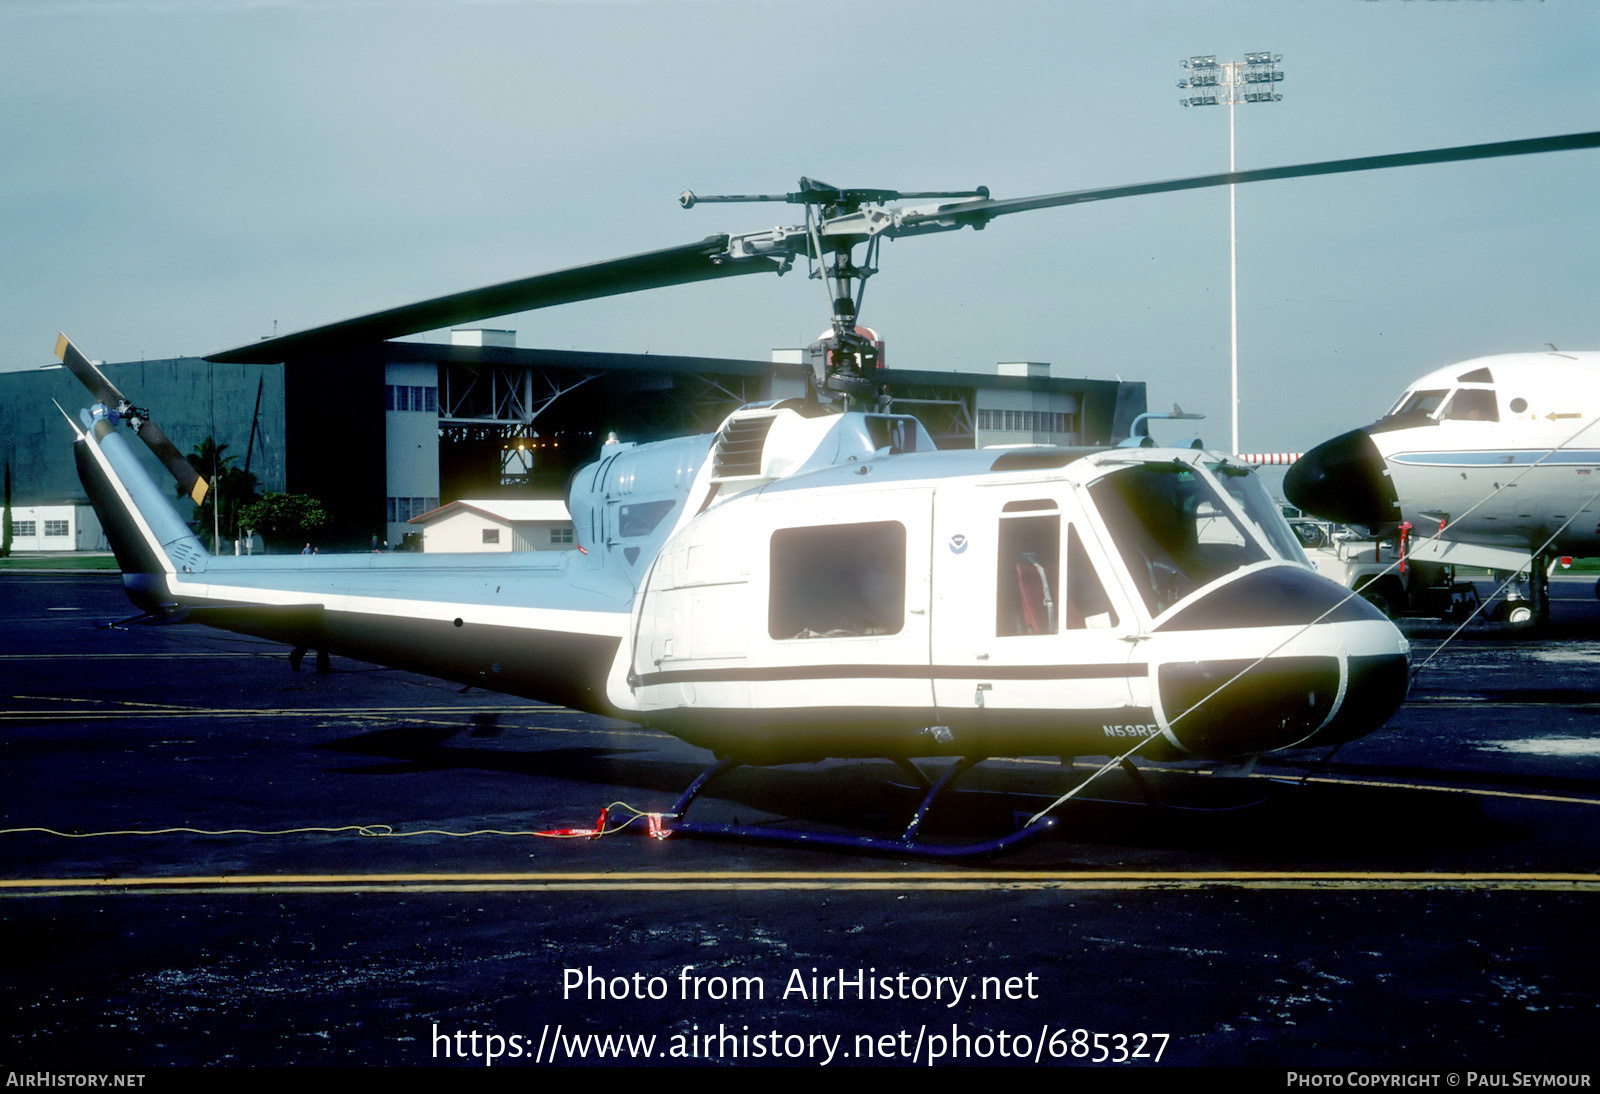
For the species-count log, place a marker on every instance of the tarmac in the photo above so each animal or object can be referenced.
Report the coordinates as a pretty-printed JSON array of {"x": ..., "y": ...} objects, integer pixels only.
[{"x": 311, "y": 870}]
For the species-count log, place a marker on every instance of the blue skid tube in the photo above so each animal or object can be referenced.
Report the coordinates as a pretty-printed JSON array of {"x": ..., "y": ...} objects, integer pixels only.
[{"x": 905, "y": 844}]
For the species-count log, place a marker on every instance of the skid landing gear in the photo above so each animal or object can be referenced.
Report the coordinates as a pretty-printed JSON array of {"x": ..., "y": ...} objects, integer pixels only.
[
  {"x": 298, "y": 654},
  {"x": 907, "y": 843}
]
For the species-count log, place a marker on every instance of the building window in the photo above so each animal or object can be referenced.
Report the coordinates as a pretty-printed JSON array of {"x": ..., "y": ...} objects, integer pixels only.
[
  {"x": 491, "y": 535},
  {"x": 1037, "y": 422},
  {"x": 401, "y": 510},
  {"x": 562, "y": 534},
  {"x": 57, "y": 528},
  {"x": 25, "y": 529},
  {"x": 410, "y": 398}
]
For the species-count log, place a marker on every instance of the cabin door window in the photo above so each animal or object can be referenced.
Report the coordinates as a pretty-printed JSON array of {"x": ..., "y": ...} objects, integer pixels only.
[
  {"x": 1028, "y": 577},
  {"x": 838, "y": 581},
  {"x": 1034, "y": 594}
]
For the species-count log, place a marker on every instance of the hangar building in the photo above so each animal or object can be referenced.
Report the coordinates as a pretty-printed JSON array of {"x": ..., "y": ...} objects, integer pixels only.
[{"x": 383, "y": 434}]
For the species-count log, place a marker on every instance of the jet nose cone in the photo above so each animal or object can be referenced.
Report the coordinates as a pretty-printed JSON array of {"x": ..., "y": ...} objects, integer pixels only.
[{"x": 1343, "y": 480}]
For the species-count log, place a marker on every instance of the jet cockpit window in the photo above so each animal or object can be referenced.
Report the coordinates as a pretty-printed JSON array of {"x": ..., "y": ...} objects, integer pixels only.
[
  {"x": 1173, "y": 531},
  {"x": 838, "y": 581},
  {"x": 1472, "y": 404},
  {"x": 1420, "y": 403}
]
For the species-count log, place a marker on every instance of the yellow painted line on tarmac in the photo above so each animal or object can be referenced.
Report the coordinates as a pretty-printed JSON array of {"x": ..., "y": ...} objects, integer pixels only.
[
  {"x": 1475, "y": 791},
  {"x": 1500, "y": 704},
  {"x": 1336, "y": 780},
  {"x": 99, "y": 702},
  {"x": 792, "y": 881},
  {"x": 592, "y": 731}
]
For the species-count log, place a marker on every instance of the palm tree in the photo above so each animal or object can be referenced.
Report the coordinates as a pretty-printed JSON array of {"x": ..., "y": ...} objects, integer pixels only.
[{"x": 230, "y": 490}]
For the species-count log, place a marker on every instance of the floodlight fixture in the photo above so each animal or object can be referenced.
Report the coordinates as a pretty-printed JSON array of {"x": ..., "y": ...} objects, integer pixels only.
[{"x": 1227, "y": 83}]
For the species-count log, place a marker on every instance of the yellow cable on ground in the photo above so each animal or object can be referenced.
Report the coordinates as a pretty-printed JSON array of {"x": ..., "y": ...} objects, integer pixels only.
[{"x": 604, "y": 827}]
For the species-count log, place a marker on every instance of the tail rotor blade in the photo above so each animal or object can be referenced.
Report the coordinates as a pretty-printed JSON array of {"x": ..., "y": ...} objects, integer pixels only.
[
  {"x": 104, "y": 391},
  {"x": 193, "y": 483}
]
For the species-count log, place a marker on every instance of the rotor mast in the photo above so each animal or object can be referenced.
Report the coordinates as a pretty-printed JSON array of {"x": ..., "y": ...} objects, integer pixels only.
[{"x": 837, "y": 222}]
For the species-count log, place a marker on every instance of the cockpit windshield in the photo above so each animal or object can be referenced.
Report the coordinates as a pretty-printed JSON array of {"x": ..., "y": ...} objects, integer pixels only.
[
  {"x": 1246, "y": 490},
  {"x": 1472, "y": 404},
  {"x": 1172, "y": 529},
  {"x": 1467, "y": 404},
  {"x": 1419, "y": 403}
]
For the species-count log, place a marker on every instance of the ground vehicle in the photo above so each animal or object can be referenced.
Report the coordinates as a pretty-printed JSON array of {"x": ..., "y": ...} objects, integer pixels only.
[{"x": 1355, "y": 560}]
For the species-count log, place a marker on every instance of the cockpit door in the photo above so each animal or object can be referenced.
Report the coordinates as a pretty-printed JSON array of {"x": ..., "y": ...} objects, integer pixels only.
[{"x": 1026, "y": 626}]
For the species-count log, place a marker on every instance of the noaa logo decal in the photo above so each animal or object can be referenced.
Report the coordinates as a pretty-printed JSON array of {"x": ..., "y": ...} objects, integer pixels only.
[{"x": 958, "y": 543}]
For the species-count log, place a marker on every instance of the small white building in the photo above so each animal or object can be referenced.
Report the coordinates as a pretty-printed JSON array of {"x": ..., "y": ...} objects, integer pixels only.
[
  {"x": 497, "y": 525},
  {"x": 64, "y": 527}
]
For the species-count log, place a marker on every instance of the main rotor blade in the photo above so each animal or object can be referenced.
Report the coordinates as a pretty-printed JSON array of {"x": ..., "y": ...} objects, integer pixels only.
[
  {"x": 692, "y": 262},
  {"x": 980, "y": 212},
  {"x": 711, "y": 258},
  {"x": 104, "y": 391}
]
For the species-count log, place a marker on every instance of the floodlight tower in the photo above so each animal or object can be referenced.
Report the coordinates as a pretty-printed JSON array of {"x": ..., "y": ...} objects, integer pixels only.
[{"x": 1228, "y": 83}]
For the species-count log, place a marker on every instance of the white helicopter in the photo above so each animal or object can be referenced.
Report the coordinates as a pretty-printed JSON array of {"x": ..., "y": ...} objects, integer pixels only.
[
  {"x": 1490, "y": 462},
  {"x": 818, "y": 581}
]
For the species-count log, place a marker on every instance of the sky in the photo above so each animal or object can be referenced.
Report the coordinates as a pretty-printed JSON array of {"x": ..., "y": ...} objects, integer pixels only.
[{"x": 183, "y": 176}]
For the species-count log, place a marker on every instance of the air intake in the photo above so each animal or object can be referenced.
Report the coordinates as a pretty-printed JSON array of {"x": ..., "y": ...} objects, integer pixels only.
[{"x": 739, "y": 445}]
